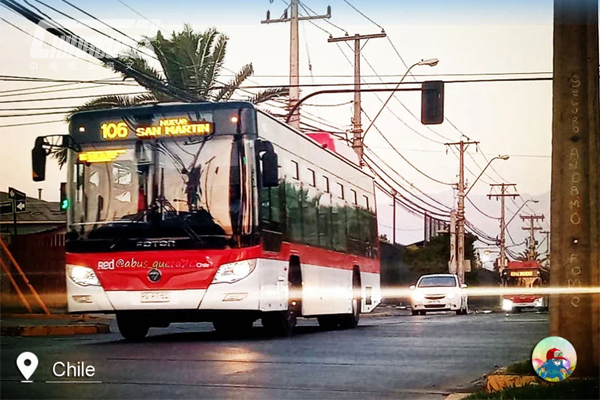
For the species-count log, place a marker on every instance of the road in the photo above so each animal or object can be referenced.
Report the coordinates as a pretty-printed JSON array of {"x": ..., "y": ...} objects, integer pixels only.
[{"x": 398, "y": 356}]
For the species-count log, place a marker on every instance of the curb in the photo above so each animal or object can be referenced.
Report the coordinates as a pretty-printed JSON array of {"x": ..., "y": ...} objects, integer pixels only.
[
  {"x": 457, "y": 396},
  {"x": 73, "y": 317},
  {"x": 54, "y": 330}
]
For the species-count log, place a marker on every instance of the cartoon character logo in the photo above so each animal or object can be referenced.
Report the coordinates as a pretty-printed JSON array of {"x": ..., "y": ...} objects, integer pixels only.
[
  {"x": 557, "y": 366},
  {"x": 554, "y": 368}
]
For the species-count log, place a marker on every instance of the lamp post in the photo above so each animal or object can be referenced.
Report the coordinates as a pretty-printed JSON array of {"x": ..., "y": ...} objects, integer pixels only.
[
  {"x": 483, "y": 170},
  {"x": 432, "y": 62},
  {"x": 460, "y": 254},
  {"x": 517, "y": 212}
]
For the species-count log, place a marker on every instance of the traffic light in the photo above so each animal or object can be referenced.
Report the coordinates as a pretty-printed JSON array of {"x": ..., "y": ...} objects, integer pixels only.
[
  {"x": 432, "y": 102},
  {"x": 38, "y": 160},
  {"x": 64, "y": 201}
]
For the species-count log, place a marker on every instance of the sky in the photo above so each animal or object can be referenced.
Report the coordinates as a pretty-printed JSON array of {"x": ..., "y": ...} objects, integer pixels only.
[{"x": 468, "y": 37}]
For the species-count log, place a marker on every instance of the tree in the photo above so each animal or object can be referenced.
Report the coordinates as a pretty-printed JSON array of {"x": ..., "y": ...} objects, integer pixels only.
[
  {"x": 188, "y": 60},
  {"x": 434, "y": 256}
]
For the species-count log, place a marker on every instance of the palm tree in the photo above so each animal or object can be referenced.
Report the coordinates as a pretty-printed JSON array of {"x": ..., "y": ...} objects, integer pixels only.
[{"x": 188, "y": 60}]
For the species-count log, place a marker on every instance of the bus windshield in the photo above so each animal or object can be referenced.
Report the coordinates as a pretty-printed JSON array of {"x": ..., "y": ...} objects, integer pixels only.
[{"x": 175, "y": 193}]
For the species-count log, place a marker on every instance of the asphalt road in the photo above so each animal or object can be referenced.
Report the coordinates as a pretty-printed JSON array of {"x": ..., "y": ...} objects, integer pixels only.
[{"x": 397, "y": 356}]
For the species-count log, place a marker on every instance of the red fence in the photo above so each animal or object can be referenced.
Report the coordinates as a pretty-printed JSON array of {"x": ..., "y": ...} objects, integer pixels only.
[{"x": 42, "y": 259}]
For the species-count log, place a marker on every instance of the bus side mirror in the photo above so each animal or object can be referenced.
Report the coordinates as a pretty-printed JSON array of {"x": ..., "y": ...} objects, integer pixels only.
[
  {"x": 270, "y": 163},
  {"x": 463, "y": 286},
  {"x": 412, "y": 287},
  {"x": 270, "y": 169},
  {"x": 38, "y": 160}
]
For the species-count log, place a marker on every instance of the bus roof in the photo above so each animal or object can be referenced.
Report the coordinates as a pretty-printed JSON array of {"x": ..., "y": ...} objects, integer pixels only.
[{"x": 159, "y": 107}]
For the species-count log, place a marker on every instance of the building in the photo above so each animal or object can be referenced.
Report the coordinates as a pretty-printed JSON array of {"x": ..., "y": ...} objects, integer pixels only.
[{"x": 41, "y": 216}]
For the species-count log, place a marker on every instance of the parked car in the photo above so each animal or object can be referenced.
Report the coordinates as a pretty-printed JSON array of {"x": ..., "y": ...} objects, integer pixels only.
[{"x": 439, "y": 292}]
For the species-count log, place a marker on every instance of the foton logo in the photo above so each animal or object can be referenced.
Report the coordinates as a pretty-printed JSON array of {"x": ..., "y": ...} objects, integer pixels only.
[
  {"x": 152, "y": 244},
  {"x": 106, "y": 265}
]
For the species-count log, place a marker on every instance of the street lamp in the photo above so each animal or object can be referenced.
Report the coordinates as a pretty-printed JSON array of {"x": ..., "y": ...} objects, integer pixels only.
[
  {"x": 432, "y": 62},
  {"x": 482, "y": 171},
  {"x": 517, "y": 212}
]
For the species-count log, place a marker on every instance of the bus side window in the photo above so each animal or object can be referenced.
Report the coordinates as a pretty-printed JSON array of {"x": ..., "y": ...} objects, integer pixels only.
[{"x": 293, "y": 211}]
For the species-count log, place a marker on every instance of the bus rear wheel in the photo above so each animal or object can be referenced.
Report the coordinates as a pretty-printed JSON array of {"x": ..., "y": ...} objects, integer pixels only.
[
  {"x": 131, "y": 327},
  {"x": 328, "y": 322},
  {"x": 349, "y": 321}
]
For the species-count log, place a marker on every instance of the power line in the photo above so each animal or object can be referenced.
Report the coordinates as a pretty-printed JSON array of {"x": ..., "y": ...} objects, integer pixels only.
[
  {"x": 94, "y": 29},
  {"x": 60, "y": 90},
  {"x": 406, "y": 108},
  {"x": 361, "y": 13},
  {"x": 405, "y": 159},
  {"x": 34, "y": 114},
  {"x": 118, "y": 65},
  {"x": 445, "y": 209},
  {"x": 71, "y": 97},
  {"x": 33, "y": 123},
  {"x": 446, "y": 215},
  {"x": 326, "y": 20},
  {"x": 477, "y": 208},
  {"x": 138, "y": 13},
  {"x": 43, "y": 41}
]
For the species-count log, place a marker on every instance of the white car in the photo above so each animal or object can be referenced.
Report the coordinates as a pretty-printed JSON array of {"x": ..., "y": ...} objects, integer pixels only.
[{"x": 439, "y": 292}]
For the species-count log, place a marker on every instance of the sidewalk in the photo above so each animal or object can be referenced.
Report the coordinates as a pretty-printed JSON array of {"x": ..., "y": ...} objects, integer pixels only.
[{"x": 53, "y": 325}]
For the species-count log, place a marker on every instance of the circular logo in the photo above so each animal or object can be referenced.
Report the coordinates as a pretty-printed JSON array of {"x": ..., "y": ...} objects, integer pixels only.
[
  {"x": 554, "y": 359},
  {"x": 154, "y": 275}
]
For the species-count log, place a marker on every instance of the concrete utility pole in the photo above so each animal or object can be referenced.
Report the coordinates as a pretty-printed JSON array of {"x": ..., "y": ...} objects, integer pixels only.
[
  {"x": 452, "y": 264},
  {"x": 357, "y": 143},
  {"x": 394, "y": 217},
  {"x": 547, "y": 233},
  {"x": 575, "y": 195},
  {"x": 503, "y": 188},
  {"x": 460, "y": 212},
  {"x": 294, "y": 54},
  {"x": 531, "y": 228}
]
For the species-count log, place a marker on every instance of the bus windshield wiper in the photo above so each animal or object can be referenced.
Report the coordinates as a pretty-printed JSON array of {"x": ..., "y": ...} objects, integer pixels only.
[{"x": 159, "y": 203}]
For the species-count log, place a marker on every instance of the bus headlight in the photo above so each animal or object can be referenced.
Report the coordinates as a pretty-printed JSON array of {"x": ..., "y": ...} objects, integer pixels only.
[
  {"x": 450, "y": 295},
  {"x": 82, "y": 276},
  {"x": 507, "y": 305},
  {"x": 233, "y": 272}
]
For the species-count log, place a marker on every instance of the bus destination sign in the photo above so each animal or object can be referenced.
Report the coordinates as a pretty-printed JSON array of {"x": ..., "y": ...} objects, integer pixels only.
[
  {"x": 521, "y": 273},
  {"x": 171, "y": 127}
]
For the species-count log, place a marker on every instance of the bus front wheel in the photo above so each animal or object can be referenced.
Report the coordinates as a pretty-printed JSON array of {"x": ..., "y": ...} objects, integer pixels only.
[
  {"x": 280, "y": 323},
  {"x": 131, "y": 327}
]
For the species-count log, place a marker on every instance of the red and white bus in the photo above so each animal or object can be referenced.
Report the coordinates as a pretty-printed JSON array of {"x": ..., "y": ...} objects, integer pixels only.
[{"x": 214, "y": 212}]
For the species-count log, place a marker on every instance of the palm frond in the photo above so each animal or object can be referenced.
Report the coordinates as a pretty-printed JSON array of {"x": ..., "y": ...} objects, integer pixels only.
[
  {"x": 226, "y": 92},
  {"x": 107, "y": 102},
  {"x": 268, "y": 94},
  {"x": 213, "y": 68}
]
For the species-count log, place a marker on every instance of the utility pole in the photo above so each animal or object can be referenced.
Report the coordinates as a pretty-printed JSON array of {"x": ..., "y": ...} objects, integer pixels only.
[
  {"x": 357, "y": 143},
  {"x": 394, "y": 216},
  {"x": 460, "y": 212},
  {"x": 452, "y": 263},
  {"x": 575, "y": 194},
  {"x": 503, "y": 188},
  {"x": 531, "y": 228},
  {"x": 294, "y": 95},
  {"x": 547, "y": 233}
]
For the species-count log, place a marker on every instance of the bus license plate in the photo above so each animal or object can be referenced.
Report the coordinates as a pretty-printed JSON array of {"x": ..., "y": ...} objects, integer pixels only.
[{"x": 155, "y": 297}]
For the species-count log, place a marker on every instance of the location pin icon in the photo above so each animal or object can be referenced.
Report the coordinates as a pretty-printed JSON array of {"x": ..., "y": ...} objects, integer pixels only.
[{"x": 27, "y": 363}]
